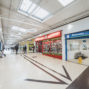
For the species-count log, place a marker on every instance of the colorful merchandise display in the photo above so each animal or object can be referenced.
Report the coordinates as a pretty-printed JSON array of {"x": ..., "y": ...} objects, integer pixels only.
[{"x": 50, "y": 44}]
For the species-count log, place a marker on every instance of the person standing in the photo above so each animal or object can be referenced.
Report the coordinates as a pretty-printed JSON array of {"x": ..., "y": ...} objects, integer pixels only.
[
  {"x": 25, "y": 49},
  {"x": 16, "y": 49},
  {"x": 33, "y": 48}
]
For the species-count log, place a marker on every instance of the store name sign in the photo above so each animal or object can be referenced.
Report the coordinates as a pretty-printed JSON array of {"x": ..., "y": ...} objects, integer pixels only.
[
  {"x": 49, "y": 36},
  {"x": 40, "y": 38},
  {"x": 53, "y": 35},
  {"x": 79, "y": 34}
]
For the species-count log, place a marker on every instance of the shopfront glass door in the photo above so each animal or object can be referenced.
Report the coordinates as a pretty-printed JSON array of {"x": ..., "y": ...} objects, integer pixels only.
[{"x": 76, "y": 48}]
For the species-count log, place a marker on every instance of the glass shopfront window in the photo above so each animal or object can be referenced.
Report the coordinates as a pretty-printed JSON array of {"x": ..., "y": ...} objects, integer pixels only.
[{"x": 53, "y": 46}]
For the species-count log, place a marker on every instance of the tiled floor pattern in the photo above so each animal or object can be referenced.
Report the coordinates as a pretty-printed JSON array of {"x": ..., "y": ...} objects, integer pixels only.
[{"x": 19, "y": 72}]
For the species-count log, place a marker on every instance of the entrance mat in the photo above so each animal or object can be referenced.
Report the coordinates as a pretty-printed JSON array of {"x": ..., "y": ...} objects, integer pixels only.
[{"x": 82, "y": 82}]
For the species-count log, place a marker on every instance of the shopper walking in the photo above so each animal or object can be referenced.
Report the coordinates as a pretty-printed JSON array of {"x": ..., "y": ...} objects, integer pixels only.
[{"x": 16, "y": 49}]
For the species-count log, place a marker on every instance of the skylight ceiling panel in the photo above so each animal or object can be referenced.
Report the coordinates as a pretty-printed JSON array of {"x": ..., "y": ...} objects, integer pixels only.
[
  {"x": 41, "y": 13},
  {"x": 51, "y": 5},
  {"x": 25, "y": 5},
  {"x": 32, "y": 8},
  {"x": 65, "y": 2}
]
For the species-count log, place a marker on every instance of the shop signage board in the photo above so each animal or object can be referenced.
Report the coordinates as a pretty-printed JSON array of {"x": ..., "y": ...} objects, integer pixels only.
[
  {"x": 40, "y": 38},
  {"x": 54, "y": 35},
  {"x": 49, "y": 36},
  {"x": 78, "y": 34}
]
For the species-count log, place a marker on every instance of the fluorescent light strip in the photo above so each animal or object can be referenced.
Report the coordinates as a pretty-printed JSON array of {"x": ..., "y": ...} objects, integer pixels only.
[
  {"x": 65, "y": 2},
  {"x": 22, "y": 30}
]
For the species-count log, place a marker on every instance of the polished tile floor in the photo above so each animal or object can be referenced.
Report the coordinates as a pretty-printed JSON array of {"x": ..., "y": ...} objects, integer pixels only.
[{"x": 36, "y": 71}]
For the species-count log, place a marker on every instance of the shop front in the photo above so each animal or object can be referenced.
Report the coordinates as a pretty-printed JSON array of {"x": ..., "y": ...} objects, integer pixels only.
[
  {"x": 77, "y": 45},
  {"x": 39, "y": 43},
  {"x": 50, "y": 44},
  {"x": 31, "y": 45}
]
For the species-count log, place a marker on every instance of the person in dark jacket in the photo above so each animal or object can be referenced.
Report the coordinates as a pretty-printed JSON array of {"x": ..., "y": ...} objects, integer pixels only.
[
  {"x": 25, "y": 49},
  {"x": 16, "y": 49}
]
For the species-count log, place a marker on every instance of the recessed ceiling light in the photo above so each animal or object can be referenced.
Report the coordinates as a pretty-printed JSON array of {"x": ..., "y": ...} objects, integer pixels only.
[
  {"x": 70, "y": 26},
  {"x": 65, "y": 2},
  {"x": 16, "y": 28},
  {"x": 22, "y": 30}
]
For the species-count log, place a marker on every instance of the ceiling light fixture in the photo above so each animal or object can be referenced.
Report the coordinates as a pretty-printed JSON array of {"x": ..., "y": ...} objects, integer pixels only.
[
  {"x": 70, "y": 26},
  {"x": 22, "y": 30},
  {"x": 65, "y": 2},
  {"x": 16, "y": 28}
]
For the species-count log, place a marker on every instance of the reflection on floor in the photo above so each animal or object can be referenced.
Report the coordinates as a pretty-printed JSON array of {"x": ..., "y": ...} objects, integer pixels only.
[{"x": 35, "y": 71}]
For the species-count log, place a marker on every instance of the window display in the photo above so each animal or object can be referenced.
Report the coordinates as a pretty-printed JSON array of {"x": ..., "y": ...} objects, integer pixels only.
[
  {"x": 39, "y": 46},
  {"x": 73, "y": 46},
  {"x": 31, "y": 47},
  {"x": 52, "y": 46},
  {"x": 46, "y": 47}
]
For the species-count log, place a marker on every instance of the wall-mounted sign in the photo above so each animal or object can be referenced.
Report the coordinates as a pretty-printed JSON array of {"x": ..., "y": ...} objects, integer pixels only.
[
  {"x": 54, "y": 35},
  {"x": 49, "y": 36},
  {"x": 40, "y": 38},
  {"x": 78, "y": 34}
]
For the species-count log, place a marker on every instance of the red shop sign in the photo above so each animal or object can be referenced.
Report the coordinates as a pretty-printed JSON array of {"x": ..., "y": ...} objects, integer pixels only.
[
  {"x": 49, "y": 36},
  {"x": 40, "y": 38},
  {"x": 53, "y": 35}
]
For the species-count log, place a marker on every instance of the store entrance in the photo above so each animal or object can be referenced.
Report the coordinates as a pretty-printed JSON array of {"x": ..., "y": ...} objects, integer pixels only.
[
  {"x": 39, "y": 46},
  {"x": 78, "y": 47}
]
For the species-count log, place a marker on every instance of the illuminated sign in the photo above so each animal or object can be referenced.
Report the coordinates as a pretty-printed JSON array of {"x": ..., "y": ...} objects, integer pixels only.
[
  {"x": 53, "y": 35},
  {"x": 40, "y": 38},
  {"x": 49, "y": 36}
]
